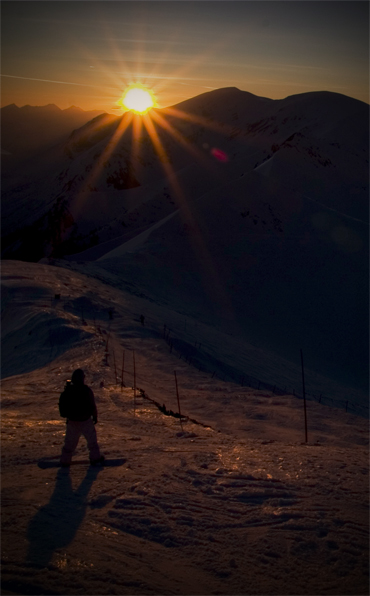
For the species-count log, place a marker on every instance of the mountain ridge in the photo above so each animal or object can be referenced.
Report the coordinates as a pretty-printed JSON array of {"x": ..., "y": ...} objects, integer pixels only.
[
  {"x": 29, "y": 130},
  {"x": 49, "y": 106}
]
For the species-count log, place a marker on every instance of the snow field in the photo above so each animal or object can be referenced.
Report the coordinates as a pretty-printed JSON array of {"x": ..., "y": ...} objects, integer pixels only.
[{"x": 235, "y": 505}]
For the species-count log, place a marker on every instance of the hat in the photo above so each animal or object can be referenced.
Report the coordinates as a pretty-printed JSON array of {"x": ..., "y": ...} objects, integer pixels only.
[{"x": 78, "y": 376}]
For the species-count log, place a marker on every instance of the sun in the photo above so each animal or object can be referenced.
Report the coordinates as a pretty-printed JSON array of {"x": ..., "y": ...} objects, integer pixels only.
[{"x": 138, "y": 99}]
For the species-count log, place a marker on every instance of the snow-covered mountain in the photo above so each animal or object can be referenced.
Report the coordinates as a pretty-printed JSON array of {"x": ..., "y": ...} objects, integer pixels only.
[
  {"x": 249, "y": 213},
  {"x": 318, "y": 142}
]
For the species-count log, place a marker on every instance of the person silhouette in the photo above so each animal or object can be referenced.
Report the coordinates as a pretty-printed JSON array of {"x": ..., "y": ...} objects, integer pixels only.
[{"x": 77, "y": 404}]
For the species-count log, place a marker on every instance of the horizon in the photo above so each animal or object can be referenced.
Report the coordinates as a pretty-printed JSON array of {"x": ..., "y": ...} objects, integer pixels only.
[
  {"x": 115, "y": 112},
  {"x": 87, "y": 53}
]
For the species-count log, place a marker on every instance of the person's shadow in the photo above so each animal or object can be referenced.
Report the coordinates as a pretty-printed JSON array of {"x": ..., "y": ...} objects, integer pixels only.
[{"x": 55, "y": 525}]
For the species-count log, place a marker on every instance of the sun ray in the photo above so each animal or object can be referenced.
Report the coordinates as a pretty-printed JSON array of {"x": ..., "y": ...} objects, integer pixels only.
[
  {"x": 100, "y": 65},
  {"x": 122, "y": 80},
  {"x": 165, "y": 119},
  {"x": 194, "y": 119},
  {"x": 193, "y": 150},
  {"x": 148, "y": 123},
  {"x": 190, "y": 65},
  {"x": 224, "y": 129},
  {"x": 137, "y": 127},
  {"x": 82, "y": 196},
  {"x": 210, "y": 274}
]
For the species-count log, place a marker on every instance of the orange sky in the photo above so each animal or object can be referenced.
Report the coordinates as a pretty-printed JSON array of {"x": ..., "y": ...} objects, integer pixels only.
[{"x": 86, "y": 53}]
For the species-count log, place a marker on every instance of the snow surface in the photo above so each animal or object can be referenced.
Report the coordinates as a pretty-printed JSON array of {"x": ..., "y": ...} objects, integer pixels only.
[{"x": 234, "y": 502}]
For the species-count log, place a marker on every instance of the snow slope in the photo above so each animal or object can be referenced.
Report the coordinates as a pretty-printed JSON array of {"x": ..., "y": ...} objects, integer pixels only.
[
  {"x": 234, "y": 502},
  {"x": 265, "y": 266}
]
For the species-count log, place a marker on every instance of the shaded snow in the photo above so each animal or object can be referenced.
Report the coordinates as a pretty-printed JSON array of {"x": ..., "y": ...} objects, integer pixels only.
[
  {"x": 135, "y": 242},
  {"x": 258, "y": 259}
]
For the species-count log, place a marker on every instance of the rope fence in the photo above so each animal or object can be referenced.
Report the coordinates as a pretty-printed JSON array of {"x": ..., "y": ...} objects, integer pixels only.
[
  {"x": 197, "y": 354},
  {"x": 253, "y": 382},
  {"x": 228, "y": 375}
]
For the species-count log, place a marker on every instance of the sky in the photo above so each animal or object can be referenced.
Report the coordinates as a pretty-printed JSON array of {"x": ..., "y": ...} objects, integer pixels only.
[{"x": 85, "y": 53}]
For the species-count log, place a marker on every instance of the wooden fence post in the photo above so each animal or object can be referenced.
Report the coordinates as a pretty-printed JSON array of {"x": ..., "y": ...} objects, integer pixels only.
[
  {"x": 133, "y": 353},
  {"x": 123, "y": 368},
  {"x": 115, "y": 366},
  {"x": 304, "y": 397},
  {"x": 178, "y": 399}
]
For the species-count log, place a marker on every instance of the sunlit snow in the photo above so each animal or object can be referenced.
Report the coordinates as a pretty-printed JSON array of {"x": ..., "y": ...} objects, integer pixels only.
[{"x": 235, "y": 503}]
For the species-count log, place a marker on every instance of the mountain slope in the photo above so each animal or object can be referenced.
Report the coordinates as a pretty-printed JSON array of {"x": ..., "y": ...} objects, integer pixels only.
[
  {"x": 251, "y": 213},
  {"x": 261, "y": 260},
  {"x": 317, "y": 141}
]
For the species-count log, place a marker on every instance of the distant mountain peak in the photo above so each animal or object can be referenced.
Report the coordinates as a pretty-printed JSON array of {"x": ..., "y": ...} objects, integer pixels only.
[
  {"x": 215, "y": 96},
  {"x": 10, "y": 108},
  {"x": 50, "y": 107},
  {"x": 30, "y": 129}
]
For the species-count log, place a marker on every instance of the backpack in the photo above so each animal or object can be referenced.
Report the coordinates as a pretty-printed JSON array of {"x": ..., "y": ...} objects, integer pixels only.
[
  {"x": 74, "y": 402},
  {"x": 66, "y": 400}
]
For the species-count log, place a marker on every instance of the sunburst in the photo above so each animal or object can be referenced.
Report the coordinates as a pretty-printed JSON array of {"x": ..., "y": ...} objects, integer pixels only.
[
  {"x": 138, "y": 99},
  {"x": 139, "y": 103}
]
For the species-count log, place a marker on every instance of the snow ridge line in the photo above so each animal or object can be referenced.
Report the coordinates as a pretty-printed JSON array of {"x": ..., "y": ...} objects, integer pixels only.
[{"x": 366, "y": 223}]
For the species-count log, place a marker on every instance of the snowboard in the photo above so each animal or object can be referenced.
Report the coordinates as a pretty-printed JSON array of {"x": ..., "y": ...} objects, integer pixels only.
[{"x": 43, "y": 464}]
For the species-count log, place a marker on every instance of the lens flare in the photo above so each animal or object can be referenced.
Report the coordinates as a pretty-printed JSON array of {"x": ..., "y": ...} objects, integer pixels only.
[{"x": 219, "y": 154}]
